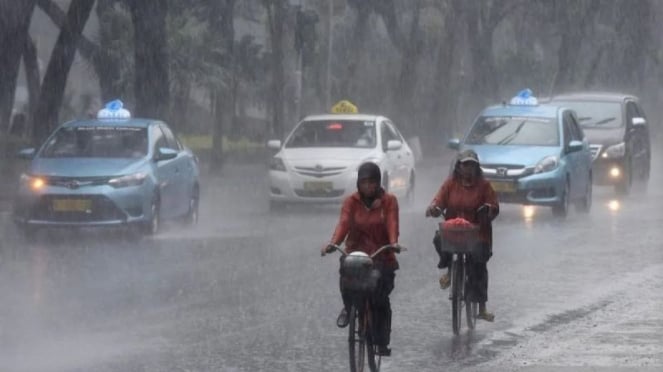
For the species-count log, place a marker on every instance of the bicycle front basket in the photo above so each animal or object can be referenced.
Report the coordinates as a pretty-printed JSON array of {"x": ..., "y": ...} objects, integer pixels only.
[
  {"x": 459, "y": 234},
  {"x": 356, "y": 272}
]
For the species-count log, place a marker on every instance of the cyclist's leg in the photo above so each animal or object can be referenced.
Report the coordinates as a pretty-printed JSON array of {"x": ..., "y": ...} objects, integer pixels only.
[
  {"x": 382, "y": 309},
  {"x": 477, "y": 290},
  {"x": 343, "y": 318},
  {"x": 445, "y": 257}
]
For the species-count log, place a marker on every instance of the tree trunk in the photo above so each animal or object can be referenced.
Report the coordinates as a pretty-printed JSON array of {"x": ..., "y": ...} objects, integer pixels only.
[
  {"x": 221, "y": 21},
  {"x": 151, "y": 58},
  {"x": 15, "y": 19},
  {"x": 46, "y": 114},
  {"x": 356, "y": 50},
  {"x": 106, "y": 65},
  {"x": 276, "y": 11},
  {"x": 33, "y": 78},
  {"x": 442, "y": 120}
]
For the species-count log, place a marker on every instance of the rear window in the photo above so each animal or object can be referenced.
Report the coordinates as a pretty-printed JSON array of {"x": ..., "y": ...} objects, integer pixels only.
[
  {"x": 593, "y": 114},
  {"x": 97, "y": 142},
  {"x": 334, "y": 133},
  {"x": 514, "y": 130}
]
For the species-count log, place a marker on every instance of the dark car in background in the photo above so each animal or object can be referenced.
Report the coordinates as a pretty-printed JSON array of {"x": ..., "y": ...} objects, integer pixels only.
[{"x": 618, "y": 133}]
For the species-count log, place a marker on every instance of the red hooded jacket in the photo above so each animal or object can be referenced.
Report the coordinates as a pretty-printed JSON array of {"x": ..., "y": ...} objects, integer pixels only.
[{"x": 367, "y": 229}]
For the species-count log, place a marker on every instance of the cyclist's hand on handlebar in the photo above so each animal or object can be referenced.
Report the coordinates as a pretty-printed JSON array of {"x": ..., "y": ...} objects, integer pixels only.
[
  {"x": 397, "y": 248},
  {"x": 329, "y": 248},
  {"x": 433, "y": 211}
]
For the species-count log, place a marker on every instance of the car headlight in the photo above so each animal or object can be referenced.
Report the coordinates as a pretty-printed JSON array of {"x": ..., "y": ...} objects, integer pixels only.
[
  {"x": 547, "y": 164},
  {"x": 615, "y": 151},
  {"x": 135, "y": 179},
  {"x": 277, "y": 164},
  {"x": 35, "y": 183}
]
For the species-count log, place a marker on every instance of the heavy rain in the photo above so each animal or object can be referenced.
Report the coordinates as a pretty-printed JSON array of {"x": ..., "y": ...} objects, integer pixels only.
[{"x": 126, "y": 247}]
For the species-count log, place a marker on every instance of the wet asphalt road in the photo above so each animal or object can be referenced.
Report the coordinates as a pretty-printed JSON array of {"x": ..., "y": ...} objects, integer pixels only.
[{"x": 247, "y": 290}]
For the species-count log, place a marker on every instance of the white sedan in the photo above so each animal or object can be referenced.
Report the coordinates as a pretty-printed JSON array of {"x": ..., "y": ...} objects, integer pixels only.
[{"x": 318, "y": 161}]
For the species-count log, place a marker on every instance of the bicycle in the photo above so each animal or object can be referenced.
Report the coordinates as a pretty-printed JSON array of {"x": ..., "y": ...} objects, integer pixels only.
[
  {"x": 360, "y": 280},
  {"x": 460, "y": 241}
]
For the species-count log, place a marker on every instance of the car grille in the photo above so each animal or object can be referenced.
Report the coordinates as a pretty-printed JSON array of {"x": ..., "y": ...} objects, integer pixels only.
[
  {"x": 505, "y": 171},
  {"x": 319, "y": 193},
  {"x": 595, "y": 151},
  {"x": 75, "y": 182},
  {"x": 102, "y": 209},
  {"x": 319, "y": 171}
]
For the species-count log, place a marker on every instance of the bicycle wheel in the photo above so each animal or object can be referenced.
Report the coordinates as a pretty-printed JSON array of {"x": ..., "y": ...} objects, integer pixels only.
[
  {"x": 471, "y": 310},
  {"x": 356, "y": 341},
  {"x": 456, "y": 295},
  {"x": 371, "y": 347}
]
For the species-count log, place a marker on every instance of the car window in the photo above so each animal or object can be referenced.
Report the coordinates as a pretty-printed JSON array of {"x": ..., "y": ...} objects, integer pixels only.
[
  {"x": 334, "y": 133},
  {"x": 97, "y": 142},
  {"x": 171, "y": 141},
  {"x": 388, "y": 134},
  {"x": 595, "y": 114},
  {"x": 514, "y": 130},
  {"x": 576, "y": 131},
  {"x": 159, "y": 138}
]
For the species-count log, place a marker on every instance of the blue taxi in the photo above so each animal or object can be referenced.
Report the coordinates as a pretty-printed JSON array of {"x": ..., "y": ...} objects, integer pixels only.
[
  {"x": 114, "y": 170},
  {"x": 533, "y": 154}
]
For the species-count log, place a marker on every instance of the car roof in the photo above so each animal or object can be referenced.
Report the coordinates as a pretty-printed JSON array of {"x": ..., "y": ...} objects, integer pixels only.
[
  {"x": 133, "y": 122},
  {"x": 360, "y": 117},
  {"x": 541, "y": 110},
  {"x": 594, "y": 96}
]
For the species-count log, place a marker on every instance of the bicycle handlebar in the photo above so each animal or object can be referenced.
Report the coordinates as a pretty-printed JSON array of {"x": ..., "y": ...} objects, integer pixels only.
[{"x": 396, "y": 249}]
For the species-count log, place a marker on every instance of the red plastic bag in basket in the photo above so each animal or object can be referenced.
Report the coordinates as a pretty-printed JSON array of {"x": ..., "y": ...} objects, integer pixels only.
[{"x": 459, "y": 230}]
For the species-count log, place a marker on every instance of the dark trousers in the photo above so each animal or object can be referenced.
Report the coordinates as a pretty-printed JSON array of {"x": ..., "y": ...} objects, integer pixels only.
[
  {"x": 477, "y": 286},
  {"x": 380, "y": 304}
]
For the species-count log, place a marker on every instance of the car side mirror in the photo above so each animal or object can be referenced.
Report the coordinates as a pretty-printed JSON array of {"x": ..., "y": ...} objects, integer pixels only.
[
  {"x": 394, "y": 145},
  {"x": 274, "y": 144},
  {"x": 27, "y": 154},
  {"x": 639, "y": 122},
  {"x": 454, "y": 143},
  {"x": 164, "y": 153},
  {"x": 575, "y": 146}
]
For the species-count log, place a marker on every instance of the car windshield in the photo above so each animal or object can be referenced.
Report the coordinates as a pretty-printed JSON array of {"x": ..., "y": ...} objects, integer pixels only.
[
  {"x": 514, "y": 130},
  {"x": 97, "y": 142},
  {"x": 594, "y": 114},
  {"x": 334, "y": 133}
]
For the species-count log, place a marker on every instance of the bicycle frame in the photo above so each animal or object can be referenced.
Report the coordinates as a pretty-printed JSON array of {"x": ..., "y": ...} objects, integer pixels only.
[{"x": 360, "y": 330}]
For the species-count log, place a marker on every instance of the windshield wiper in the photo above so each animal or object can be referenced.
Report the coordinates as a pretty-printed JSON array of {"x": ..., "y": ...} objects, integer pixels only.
[
  {"x": 512, "y": 135},
  {"x": 584, "y": 118}
]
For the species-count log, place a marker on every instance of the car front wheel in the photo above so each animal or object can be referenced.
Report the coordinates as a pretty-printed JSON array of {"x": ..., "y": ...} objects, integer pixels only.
[
  {"x": 561, "y": 209},
  {"x": 152, "y": 226}
]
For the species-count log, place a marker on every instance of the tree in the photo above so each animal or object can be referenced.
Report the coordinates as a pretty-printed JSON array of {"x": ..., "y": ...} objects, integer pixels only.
[
  {"x": 276, "y": 19},
  {"x": 46, "y": 114},
  {"x": 15, "y": 19},
  {"x": 151, "y": 57}
]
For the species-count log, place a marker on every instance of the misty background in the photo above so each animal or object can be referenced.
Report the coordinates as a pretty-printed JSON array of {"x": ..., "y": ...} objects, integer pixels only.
[{"x": 237, "y": 73}]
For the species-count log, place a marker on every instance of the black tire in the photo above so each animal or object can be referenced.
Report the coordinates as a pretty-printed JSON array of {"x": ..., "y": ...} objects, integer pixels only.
[
  {"x": 371, "y": 348},
  {"x": 584, "y": 205},
  {"x": 191, "y": 217},
  {"x": 153, "y": 226},
  {"x": 456, "y": 295},
  {"x": 471, "y": 312},
  {"x": 356, "y": 343},
  {"x": 561, "y": 210}
]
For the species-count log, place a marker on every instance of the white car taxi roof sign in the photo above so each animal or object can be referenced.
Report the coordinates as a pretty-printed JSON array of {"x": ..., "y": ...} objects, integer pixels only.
[
  {"x": 114, "y": 110},
  {"x": 344, "y": 107}
]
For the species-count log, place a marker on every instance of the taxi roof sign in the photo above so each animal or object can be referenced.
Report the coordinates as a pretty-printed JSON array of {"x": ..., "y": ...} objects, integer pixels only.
[
  {"x": 344, "y": 107},
  {"x": 524, "y": 98},
  {"x": 114, "y": 110}
]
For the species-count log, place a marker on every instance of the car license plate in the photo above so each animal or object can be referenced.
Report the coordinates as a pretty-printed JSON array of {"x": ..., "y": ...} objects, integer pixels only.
[
  {"x": 502, "y": 186},
  {"x": 317, "y": 186},
  {"x": 72, "y": 205}
]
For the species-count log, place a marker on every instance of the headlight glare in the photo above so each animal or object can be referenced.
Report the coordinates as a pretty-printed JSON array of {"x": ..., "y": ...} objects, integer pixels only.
[
  {"x": 616, "y": 151},
  {"x": 33, "y": 182},
  {"x": 547, "y": 164},
  {"x": 135, "y": 179}
]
